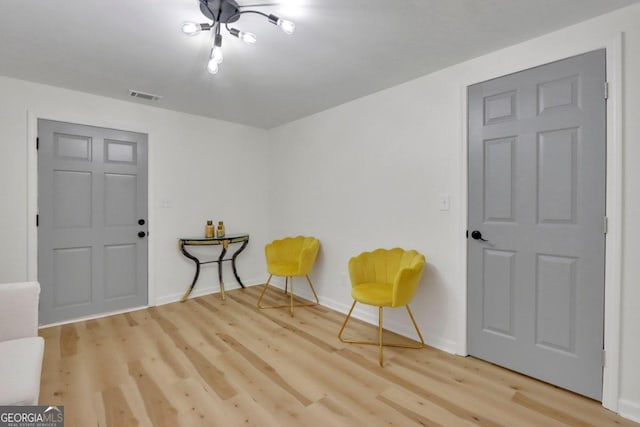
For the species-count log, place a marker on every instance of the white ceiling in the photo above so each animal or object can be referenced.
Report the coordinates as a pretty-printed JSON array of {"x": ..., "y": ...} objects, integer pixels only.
[{"x": 341, "y": 50}]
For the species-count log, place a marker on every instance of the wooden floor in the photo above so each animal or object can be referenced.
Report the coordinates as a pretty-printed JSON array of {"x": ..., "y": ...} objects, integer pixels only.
[{"x": 212, "y": 363}]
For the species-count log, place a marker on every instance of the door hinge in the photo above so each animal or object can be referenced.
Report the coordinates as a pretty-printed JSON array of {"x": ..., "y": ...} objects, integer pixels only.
[
  {"x": 37, "y": 220},
  {"x": 37, "y": 143},
  {"x": 604, "y": 358},
  {"x": 606, "y": 90},
  {"x": 606, "y": 225}
]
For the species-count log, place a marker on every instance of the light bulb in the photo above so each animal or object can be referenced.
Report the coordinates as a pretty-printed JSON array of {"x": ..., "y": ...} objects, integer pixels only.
[
  {"x": 248, "y": 38},
  {"x": 216, "y": 54},
  {"x": 212, "y": 66},
  {"x": 191, "y": 28},
  {"x": 287, "y": 26}
]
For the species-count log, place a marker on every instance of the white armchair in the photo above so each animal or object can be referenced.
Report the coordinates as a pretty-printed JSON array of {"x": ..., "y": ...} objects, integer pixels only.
[{"x": 21, "y": 349}]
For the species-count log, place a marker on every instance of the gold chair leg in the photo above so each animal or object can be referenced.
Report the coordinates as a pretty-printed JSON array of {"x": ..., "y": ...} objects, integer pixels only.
[
  {"x": 380, "y": 342},
  {"x": 355, "y": 341},
  {"x": 290, "y": 304},
  {"x": 285, "y": 285},
  {"x": 345, "y": 324},
  {"x": 312, "y": 289},
  {"x": 415, "y": 325},
  {"x": 266, "y": 285},
  {"x": 291, "y": 298},
  {"x": 380, "y": 335}
]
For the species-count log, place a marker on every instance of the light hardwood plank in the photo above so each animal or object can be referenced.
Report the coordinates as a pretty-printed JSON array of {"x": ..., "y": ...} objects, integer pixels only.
[{"x": 208, "y": 362}]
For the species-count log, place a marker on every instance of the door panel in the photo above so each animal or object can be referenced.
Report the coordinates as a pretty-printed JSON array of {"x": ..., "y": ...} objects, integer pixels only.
[
  {"x": 497, "y": 296},
  {"x": 555, "y": 302},
  {"x": 120, "y": 151},
  {"x": 72, "y": 147},
  {"x": 499, "y": 180},
  {"x": 557, "y": 176},
  {"x": 92, "y": 189},
  {"x": 537, "y": 194},
  {"x": 72, "y": 192},
  {"x": 120, "y": 199},
  {"x": 71, "y": 266},
  {"x": 120, "y": 264}
]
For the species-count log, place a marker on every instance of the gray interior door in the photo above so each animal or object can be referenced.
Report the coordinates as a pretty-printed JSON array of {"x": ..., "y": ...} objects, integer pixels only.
[
  {"x": 537, "y": 195},
  {"x": 92, "y": 205}
]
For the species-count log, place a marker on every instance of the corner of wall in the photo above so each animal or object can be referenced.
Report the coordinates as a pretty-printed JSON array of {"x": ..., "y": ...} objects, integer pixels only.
[{"x": 201, "y": 291}]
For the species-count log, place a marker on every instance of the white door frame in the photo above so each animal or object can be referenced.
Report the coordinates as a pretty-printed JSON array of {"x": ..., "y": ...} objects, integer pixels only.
[
  {"x": 613, "y": 239},
  {"x": 32, "y": 188}
]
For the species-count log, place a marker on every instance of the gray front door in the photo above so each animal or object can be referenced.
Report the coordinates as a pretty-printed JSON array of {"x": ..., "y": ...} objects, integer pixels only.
[
  {"x": 92, "y": 203},
  {"x": 537, "y": 196}
]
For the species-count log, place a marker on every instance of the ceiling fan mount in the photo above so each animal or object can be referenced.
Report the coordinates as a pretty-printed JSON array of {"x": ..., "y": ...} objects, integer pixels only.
[{"x": 228, "y": 10}]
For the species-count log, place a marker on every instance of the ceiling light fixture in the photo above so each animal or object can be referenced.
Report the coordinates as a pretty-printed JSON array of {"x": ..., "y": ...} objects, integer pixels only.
[{"x": 226, "y": 12}]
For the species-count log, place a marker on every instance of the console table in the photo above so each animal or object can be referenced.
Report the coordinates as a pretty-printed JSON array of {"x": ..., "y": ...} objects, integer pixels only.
[{"x": 224, "y": 241}]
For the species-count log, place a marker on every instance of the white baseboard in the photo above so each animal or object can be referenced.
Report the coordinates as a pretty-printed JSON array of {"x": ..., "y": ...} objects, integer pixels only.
[
  {"x": 199, "y": 291},
  {"x": 167, "y": 299},
  {"x": 629, "y": 410},
  {"x": 94, "y": 316}
]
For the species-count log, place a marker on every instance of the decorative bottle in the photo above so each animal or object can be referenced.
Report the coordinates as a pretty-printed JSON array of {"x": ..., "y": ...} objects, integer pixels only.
[
  {"x": 220, "y": 229},
  {"x": 209, "y": 230}
]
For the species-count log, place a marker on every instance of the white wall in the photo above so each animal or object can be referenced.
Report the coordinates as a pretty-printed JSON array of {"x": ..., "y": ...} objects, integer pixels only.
[
  {"x": 368, "y": 174},
  {"x": 358, "y": 176},
  {"x": 199, "y": 169}
]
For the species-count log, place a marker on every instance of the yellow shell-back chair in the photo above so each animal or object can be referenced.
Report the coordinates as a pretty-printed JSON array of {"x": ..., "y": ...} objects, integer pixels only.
[
  {"x": 385, "y": 278},
  {"x": 291, "y": 257}
]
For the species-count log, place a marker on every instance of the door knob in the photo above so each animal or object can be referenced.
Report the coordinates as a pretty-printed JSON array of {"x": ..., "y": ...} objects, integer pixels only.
[
  {"x": 141, "y": 221},
  {"x": 141, "y": 234},
  {"x": 476, "y": 235}
]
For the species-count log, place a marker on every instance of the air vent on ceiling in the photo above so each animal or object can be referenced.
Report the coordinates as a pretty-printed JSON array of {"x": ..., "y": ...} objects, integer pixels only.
[{"x": 143, "y": 95}]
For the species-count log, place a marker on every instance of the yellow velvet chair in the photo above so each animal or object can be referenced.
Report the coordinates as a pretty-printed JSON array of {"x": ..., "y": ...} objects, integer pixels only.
[
  {"x": 385, "y": 278},
  {"x": 291, "y": 257}
]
